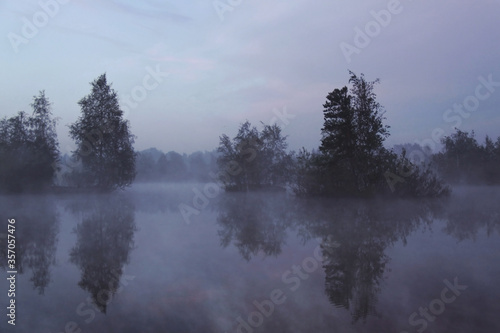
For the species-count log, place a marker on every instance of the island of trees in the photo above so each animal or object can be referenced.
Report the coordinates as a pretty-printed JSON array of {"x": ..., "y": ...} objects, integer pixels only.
[{"x": 350, "y": 161}]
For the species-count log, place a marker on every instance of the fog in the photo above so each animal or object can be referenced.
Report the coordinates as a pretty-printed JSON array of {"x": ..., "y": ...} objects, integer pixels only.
[
  {"x": 249, "y": 166},
  {"x": 130, "y": 261}
]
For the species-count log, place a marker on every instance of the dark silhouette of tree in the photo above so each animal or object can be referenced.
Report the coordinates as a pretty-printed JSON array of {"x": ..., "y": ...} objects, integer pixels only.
[
  {"x": 309, "y": 173},
  {"x": 45, "y": 140},
  {"x": 104, "y": 240},
  {"x": 353, "y": 134},
  {"x": 29, "y": 148},
  {"x": 254, "y": 159},
  {"x": 103, "y": 138},
  {"x": 277, "y": 162},
  {"x": 239, "y": 158},
  {"x": 464, "y": 161},
  {"x": 490, "y": 160},
  {"x": 352, "y": 160}
]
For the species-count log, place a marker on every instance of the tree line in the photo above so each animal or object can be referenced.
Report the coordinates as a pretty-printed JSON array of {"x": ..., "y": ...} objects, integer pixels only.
[
  {"x": 465, "y": 161},
  {"x": 351, "y": 159},
  {"x": 29, "y": 148},
  {"x": 103, "y": 160},
  {"x": 152, "y": 165}
]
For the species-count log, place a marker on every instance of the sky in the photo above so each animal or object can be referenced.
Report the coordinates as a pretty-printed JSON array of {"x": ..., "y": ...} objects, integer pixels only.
[{"x": 188, "y": 71}]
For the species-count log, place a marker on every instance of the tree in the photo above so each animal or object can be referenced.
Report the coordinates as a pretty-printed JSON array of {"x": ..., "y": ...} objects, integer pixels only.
[
  {"x": 29, "y": 148},
  {"x": 460, "y": 159},
  {"x": 309, "y": 173},
  {"x": 277, "y": 162},
  {"x": 16, "y": 152},
  {"x": 238, "y": 158},
  {"x": 172, "y": 166},
  {"x": 353, "y": 136},
  {"x": 45, "y": 142},
  {"x": 464, "y": 160},
  {"x": 254, "y": 159},
  {"x": 198, "y": 168},
  {"x": 145, "y": 167},
  {"x": 352, "y": 160},
  {"x": 103, "y": 138}
]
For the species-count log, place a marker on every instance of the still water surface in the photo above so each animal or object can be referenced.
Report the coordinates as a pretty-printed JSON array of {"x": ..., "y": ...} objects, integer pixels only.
[{"x": 259, "y": 262}]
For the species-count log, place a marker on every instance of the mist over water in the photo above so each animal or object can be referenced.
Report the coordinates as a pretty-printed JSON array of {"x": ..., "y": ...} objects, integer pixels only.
[{"x": 264, "y": 262}]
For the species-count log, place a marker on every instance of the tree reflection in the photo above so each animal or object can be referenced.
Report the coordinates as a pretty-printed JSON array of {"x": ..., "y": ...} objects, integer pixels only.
[
  {"x": 472, "y": 211},
  {"x": 254, "y": 223},
  {"x": 104, "y": 241},
  {"x": 36, "y": 229},
  {"x": 365, "y": 228},
  {"x": 354, "y": 270}
]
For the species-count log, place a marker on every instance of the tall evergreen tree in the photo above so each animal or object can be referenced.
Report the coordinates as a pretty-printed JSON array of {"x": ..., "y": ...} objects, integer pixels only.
[
  {"x": 352, "y": 137},
  {"x": 103, "y": 138}
]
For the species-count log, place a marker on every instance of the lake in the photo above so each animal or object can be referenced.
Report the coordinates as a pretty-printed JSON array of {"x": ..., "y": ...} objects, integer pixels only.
[{"x": 185, "y": 258}]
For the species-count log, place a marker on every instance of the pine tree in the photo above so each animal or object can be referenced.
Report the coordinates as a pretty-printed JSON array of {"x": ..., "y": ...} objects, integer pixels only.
[{"x": 353, "y": 135}]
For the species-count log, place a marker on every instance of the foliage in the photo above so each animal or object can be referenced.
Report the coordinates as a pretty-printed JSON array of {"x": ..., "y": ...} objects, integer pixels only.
[
  {"x": 103, "y": 138},
  {"x": 28, "y": 148},
  {"x": 464, "y": 160},
  {"x": 254, "y": 159},
  {"x": 416, "y": 180},
  {"x": 352, "y": 138},
  {"x": 352, "y": 160}
]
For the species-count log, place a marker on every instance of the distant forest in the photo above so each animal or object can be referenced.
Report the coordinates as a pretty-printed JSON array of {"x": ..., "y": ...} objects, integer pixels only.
[
  {"x": 462, "y": 161},
  {"x": 152, "y": 165},
  {"x": 350, "y": 161}
]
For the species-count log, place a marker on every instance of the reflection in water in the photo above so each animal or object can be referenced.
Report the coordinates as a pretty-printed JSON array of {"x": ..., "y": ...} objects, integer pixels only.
[
  {"x": 364, "y": 228},
  {"x": 471, "y": 211},
  {"x": 36, "y": 229},
  {"x": 255, "y": 223},
  {"x": 104, "y": 240}
]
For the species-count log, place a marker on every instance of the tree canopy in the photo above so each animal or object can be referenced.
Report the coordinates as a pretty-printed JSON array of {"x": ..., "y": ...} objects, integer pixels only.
[
  {"x": 29, "y": 148},
  {"x": 465, "y": 161},
  {"x": 352, "y": 159},
  {"x": 104, "y": 141},
  {"x": 254, "y": 159}
]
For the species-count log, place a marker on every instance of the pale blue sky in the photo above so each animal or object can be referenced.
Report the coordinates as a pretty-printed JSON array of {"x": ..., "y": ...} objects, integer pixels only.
[{"x": 263, "y": 56}]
